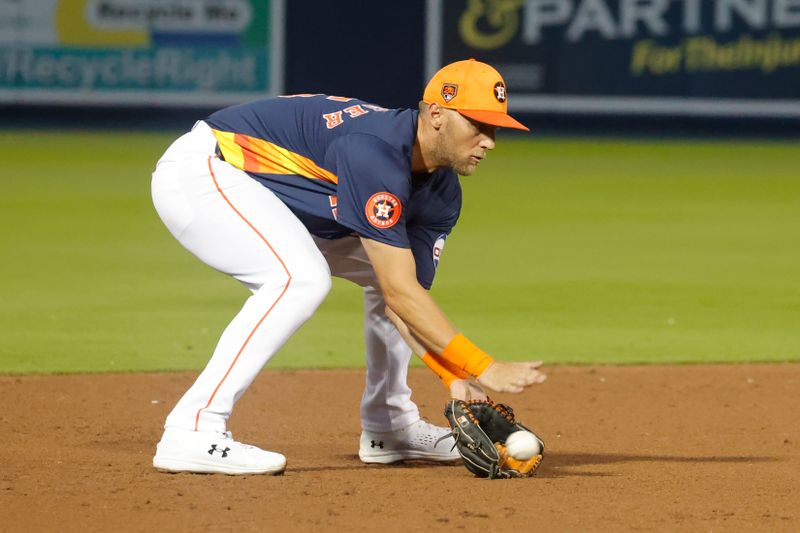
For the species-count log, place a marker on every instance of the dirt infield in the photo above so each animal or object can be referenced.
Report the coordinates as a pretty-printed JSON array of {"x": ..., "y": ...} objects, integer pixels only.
[{"x": 689, "y": 448}]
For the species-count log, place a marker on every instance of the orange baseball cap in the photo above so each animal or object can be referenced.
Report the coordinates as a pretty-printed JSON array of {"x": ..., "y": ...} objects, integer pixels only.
[{"x": 474, "y": 89}]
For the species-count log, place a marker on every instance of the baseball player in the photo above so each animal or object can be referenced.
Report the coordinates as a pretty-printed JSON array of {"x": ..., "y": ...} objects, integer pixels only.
[{"x": 283, "y": 193}]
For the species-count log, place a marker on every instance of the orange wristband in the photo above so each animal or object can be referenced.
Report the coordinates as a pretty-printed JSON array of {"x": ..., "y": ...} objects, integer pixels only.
[
  {"x": 453, "y": 369},
  {"x": 462, "y": 353},
  {"x": 442, "y": 369}
]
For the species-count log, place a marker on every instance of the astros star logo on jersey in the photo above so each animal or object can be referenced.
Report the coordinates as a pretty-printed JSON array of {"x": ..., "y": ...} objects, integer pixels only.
[{"x": 383, "y": 210}]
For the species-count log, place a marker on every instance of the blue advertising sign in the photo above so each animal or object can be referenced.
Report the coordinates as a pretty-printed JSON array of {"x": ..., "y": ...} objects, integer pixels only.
[{"x": 675, "y": 57}]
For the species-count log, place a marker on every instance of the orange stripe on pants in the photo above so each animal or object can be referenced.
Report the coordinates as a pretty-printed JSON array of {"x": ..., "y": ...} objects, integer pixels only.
[{"x": 288, "y": 282}]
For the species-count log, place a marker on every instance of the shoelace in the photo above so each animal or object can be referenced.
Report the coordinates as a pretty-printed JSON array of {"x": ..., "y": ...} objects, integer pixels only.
[{"x": 228, "y": 435}]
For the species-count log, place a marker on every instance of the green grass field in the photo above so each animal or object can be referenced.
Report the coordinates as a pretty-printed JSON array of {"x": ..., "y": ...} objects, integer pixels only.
[{"x": 567, "y": 250}]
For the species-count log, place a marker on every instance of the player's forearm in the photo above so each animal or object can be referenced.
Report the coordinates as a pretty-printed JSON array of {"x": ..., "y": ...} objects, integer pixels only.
[
  {"x": 395, "y": 269},
  {"x": 420, "y": 317},
  {"x": 444, "y": 369},
  {"x": 405, "y": 332},
  {"x": 430, "y": 327},
  {"x": 452, "y": 378}
]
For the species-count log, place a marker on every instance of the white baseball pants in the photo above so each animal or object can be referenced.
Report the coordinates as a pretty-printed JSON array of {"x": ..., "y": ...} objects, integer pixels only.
[{"x": 239, "y": 227}]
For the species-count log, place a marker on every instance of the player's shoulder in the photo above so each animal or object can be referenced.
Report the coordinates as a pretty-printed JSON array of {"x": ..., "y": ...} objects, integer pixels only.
[
  {"x": 377, "y": 137},
  {"x": 396, "y": 127},
  {"x": 345, "y": 107},
  {"x": 368, "y": 157},
  {"x": 336, "y": 115}
]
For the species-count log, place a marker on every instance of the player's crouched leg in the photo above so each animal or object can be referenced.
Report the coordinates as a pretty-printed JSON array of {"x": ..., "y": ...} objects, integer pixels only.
[
  {"x": 195, "y": 438},
  {"x": 238, "y": 227},
  {"x": 309, "y": 287}
]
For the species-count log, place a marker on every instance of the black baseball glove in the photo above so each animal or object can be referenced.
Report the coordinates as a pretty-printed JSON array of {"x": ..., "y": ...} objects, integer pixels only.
[{"x": 480, "y": 429}]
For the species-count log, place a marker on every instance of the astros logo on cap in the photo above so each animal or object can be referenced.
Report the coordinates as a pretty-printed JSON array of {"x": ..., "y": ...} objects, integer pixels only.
[
  {"x": 449, "y": 91},
  {"x": 500, "y": 91},
  {"x": 474, "y": 89},
  {"x": 383, "y": 210}
]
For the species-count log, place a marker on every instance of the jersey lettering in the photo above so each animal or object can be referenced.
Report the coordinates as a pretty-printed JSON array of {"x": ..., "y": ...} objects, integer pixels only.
[
  {"x": 355, "y": 111},
  {"x": 333, "y": 119},
  {"x": 334, "y": 206},
  {"x": 336, "y": 119},
  {"x": 339, "y": 98}
]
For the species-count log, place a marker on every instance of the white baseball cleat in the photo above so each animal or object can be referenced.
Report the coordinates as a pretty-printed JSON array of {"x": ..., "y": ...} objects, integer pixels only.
[
  {"x": 209, "y": 452},
  {"x": 420, "y": 440}
]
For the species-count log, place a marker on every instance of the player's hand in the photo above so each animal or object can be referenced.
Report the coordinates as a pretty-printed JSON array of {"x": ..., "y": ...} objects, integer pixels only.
[
  {"x": 464, "y": 389},
  {"x": 503, "y": 376}
]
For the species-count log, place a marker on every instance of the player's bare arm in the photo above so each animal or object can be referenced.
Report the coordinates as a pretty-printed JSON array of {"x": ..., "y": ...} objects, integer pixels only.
[
  {"x": 460, "y": 388},
  {"x": 426, "y": 322},
  {"x": 396, "y": 271}
]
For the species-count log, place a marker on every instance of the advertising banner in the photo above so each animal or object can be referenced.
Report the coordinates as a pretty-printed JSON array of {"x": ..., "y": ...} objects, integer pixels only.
[
  {"x": 155, "y": 52},
  {"x": 665, "y": 57}
]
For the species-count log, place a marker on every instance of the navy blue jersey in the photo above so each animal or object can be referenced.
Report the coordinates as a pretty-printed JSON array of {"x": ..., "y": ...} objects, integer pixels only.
[{"x": 343, "y": 166}]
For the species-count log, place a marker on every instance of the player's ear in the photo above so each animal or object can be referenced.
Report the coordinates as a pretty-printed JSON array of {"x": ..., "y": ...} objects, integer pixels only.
[{"x": 435, "y": 115}]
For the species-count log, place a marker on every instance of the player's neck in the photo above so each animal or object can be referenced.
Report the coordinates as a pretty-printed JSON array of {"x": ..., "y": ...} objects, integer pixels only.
[{"x": 421, "y": 156}]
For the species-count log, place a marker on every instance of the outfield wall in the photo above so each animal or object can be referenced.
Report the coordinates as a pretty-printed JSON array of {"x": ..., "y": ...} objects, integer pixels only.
[{"x": 566, "y": 61}]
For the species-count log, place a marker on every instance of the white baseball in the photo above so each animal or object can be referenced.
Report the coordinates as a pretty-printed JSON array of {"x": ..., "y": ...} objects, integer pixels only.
[{"x": 522, "y": 445}]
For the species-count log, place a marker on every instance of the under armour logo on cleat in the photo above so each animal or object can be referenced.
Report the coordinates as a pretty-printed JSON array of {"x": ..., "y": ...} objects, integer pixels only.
[
  {"x": 379, "y": 444},
  {"x": 214, "y": 449}
]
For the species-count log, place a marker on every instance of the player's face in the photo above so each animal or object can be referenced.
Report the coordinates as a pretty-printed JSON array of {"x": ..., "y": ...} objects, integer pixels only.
[{"x": 465, "y": 142}]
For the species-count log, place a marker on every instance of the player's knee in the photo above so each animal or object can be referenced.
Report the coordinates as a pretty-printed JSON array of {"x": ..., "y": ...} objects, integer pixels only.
[
  {"x": 320, "y": 285},
  {"x": 312, "y": 284}
]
